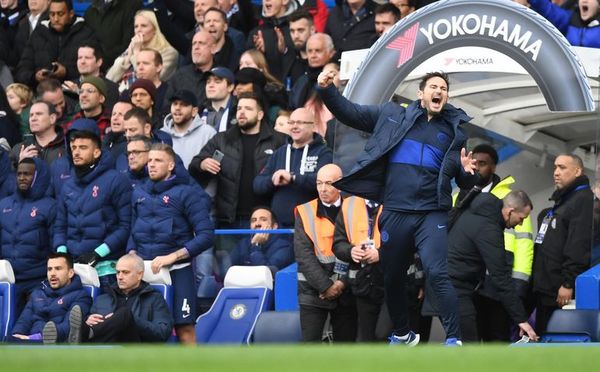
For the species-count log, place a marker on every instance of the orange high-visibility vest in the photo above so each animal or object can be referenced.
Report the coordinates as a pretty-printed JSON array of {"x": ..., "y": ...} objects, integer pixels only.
[
  {"x": 356, "y": 221},
  {"x": 319, "y": 230}
]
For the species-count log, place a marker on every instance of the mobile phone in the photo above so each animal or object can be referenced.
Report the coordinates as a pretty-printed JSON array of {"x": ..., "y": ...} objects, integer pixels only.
[
  {"x": 218, "y": 156},
  {"x": 28, "y": 140}
]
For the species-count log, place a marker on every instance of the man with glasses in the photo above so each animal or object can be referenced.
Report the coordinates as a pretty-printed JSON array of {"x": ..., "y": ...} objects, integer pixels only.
[
  {"x": 92, "y": 96},
  {"x": 290, "y": 174},
  {"x": 138, "y": 147}
]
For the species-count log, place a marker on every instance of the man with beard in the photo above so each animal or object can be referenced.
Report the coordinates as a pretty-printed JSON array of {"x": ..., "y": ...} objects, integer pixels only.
[
  {"x": 92, "y": 98},
  {"x": 295, "y": 60},
  {"x": 234, "y": 158}
]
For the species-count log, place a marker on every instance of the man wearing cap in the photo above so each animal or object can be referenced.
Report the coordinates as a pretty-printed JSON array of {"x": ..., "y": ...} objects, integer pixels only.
[
  {"x": 187, "y": 129},
  {"x": 219, "y": 109},
  {"x": 94, "y": 205},
  {"x": 92, "y": 95},
  {"x": 143, "y": 95}
]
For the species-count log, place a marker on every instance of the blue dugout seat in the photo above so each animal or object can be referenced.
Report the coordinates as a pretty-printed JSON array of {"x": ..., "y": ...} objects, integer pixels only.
[
  {"x": 7, "y": 298},
  {"x": 573, "y": 326},
  {"x": 232, "y": 318},
  {"x": 278, "y": 327}
]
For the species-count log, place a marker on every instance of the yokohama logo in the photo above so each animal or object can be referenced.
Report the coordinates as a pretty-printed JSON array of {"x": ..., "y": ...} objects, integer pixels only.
[{"x": 405, "y": 44}]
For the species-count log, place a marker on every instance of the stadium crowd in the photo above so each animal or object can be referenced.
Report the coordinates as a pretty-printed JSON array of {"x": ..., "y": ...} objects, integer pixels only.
[{"x": 133, "y": 131}]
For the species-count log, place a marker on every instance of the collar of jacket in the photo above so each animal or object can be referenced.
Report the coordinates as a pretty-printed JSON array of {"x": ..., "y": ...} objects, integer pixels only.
[
  {"x": 71, "y": 287},
  {"x": 582, "y": 180},
  {"x": 234, "y": 133}
]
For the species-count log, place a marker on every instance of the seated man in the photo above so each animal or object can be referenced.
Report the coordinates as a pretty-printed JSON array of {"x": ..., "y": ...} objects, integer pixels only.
[
  {"x": 270, "y": 250},
  {"x": 131, "y": 311},
  {"x": 46, "y": 315}
]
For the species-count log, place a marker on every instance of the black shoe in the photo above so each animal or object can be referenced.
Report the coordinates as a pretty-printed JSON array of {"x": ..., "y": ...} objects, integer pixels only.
[
  {"x": 75, "y": 324},
  {"x": 49, "y": 333}
]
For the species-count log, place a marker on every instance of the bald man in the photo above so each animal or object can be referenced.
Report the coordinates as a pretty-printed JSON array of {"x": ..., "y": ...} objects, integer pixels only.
[
  {"x": 322, "y": 279},
  {"x": 290, "y": 174}
]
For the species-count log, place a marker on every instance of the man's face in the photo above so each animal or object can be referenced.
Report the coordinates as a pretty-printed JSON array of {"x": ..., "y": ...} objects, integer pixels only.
[
  {"x": 588, "y": 9},
  {"x": 225, "y": 5},
  {"x": 117, "y": 118},
  {"x": 59, "y": 16},
  {"x": 243, "y": 88},
  {"x": 25, "y": 174},
  {"x": 84, "y": 151},
  {"x": 87, "y": 64},
  {"x": 566, "y": 171},
  {"x": 90, "y": 97},
  {"x": 383, "y": 22},
  {"x": 248, "y": 114},
  {"x": 39, "y": 119},
  {"x": 182, "y": 112},
  {"x": 202, "y": 45},
  {"x": 301, "y": 126},
  {"x": 59, "y": 274},
  {"x": 327, "y": 192},
  {"x": 262, "y": 219},
  {"x": 215, "y": 25},
  {"x": 300, "y": 31},
  {"x": 485, "y": 166},
  {"x": 405, "y": 8},
  {"x": 128, "y": 277},
  {"x": 434, "y": 96},
  {"x": 8, "y": 4},
  {"x": 200, "y": 8},
  {"x": 133, "y": 127},
  {"x": 274, "y": 8},
  {"x": 318, "y": 54},
  {"x": 145, "y": 67},
  {"x": 515, "y": 217},
  {"x": 160, "y": 165},
  {"x": 38, "y": 6},
  {"x": 137, "y": 155},
  {"x": 141, "y": 98},
  {"x": 56, "y": 98},
  {"x": 217, "y": 88}
]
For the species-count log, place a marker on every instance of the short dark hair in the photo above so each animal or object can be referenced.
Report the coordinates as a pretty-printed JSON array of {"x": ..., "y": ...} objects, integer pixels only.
[
  {"x": 254, "y": 96},
  {"x": 84, "y": 134},
  {"x": 66, "y": 256},
  {"x": 430, "y": 75},
  {"x": 164, "y": 148},
  {"x": 268, "y": 209},
  {"x": 51, "y": 107},
  {"x": 388, "y": 8},
  {"x": 96, "y": 47},
  {"x": 48, "y": 85},
  {"x": 138, "y": 137},
  {"x": 577, "y": 159},
  {"x": 27, "y": 161},
  {"x": 157, "y": 57},
  {"x": 140, "y": 114},
  {"x": 214, "y": 9},
  {"x": 69, "y": 3},
  {"x": 301, "y": 14},
  {"x": 484, "y": 148}
]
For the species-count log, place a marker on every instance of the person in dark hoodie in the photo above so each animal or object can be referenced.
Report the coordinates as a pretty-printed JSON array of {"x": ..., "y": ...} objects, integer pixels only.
[
  {"x": 170, "y": 226},
  {"x": 26, "y": 227},
  {"x": 7, "y": 176},
  {"x": 476, "y": 246},
  {"x": 94, "y": 214},
  {"x": 46, "y": 316},
  {"x": 290, "y": 174}
]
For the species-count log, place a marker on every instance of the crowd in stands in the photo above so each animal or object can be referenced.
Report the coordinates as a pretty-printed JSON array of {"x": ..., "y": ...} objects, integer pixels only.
[{"x": 140, "y": 126}]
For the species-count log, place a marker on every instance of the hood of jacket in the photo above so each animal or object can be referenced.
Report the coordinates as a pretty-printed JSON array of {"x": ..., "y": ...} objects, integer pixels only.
[
  {"x": 169, "y": 126},
  {"x": 41, "y": 181},
  {"x": 71, "y": 287}
]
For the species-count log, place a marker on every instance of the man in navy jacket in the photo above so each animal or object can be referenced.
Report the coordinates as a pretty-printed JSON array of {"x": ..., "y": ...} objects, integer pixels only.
[
  {"x": 47, "y": 312},
  {"x": 170, "y": 226},
  {"x": 408, "y": 164},
  {"x": 26, "y": 223}
]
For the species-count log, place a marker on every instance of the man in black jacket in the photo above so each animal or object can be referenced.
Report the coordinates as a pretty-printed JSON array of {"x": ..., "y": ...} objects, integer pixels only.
[
  {"x": 476, "y": 245},
  {"x": 564, "y": 239}
]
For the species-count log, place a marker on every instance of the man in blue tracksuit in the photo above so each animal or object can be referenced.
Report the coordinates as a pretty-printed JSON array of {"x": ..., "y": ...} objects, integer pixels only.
[
  {"x": 407, "y": 164},
  {"x": 94, "y": 205},
  {"x": 26, "y": 220},
  {"x": 170, "y": 226}
]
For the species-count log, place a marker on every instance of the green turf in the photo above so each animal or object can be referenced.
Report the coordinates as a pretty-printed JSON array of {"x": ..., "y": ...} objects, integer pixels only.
[{"x": 364, "y": 358}]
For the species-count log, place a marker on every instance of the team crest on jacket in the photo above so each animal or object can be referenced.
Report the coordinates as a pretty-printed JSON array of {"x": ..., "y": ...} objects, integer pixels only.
[
  {"x": 60, "y": 301},
  {"x": 95, "y": 190},
  {"x": 33, "y": 212},
  {"x": 166, "y": 199}
]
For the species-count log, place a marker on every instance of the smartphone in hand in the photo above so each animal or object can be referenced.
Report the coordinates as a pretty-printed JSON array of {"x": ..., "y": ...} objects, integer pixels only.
[{"x": 218, "y": 156}]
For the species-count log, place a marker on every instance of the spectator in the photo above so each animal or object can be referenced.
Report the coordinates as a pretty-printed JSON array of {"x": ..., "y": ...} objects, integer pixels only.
[
  {"x": 7, "y": 176},
  {"x": 89, "y": 63},
  {"x": 476, "y": 247},
  {"x": 169, "y": 198},
  {"x": 26, "y": 228},
  {"x": 405, "y": 6},
  {"x": 322, "y": 279},
  {"x": 38, "y": 12},
  {"x": 351, "y": 25},
  {"x": 46, "y": 315},
  {"x": 319, "y": 11},
  {"x": 50, "y": 90},
  {"x": 564, "y": 239},
  {"x": 386, "y": 15},
  {"x": 148, "y": 67},
  {"x": 246, "y": 148},
  {"x": 581, "y": 26},
  {"x": 12, "y": 12},
  {"x": 94, "y": 215},
  {"x": 47, "y": 141},
  {"x": 147, "y": 35},
  {"x": 240, "y": 14},
  {"x": 9, "y": 121},
  {"x": 226, "y": 54},
  {"x": 291, "y": 172},
  {"x": 281, "y": 123},
  {"x": 129, "y": 311},
  {"x": 187, "y": 130},
  {"x": 219, "y": 108},
  {"x": 19, "y": 98},
  {"x": 191, "y": 77},
  {"x": 92, "y": 97},
  {"x": 112, "y": 25},
  {"x": 115, "y": 140},
  {"x": 51, "y": 51},
  {"x": 295, "y": 60},
  {"x": 272, "y": 250},
  {"x": 143, "y": 95},
  {"x": 138, "y": 148}
]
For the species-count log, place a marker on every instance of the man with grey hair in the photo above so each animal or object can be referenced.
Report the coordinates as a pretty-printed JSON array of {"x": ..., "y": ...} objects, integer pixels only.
[
  {"x": 131, "y": 311},
  {"x": 476, "y": 245},
  {"x": 564, "y": 240}
]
